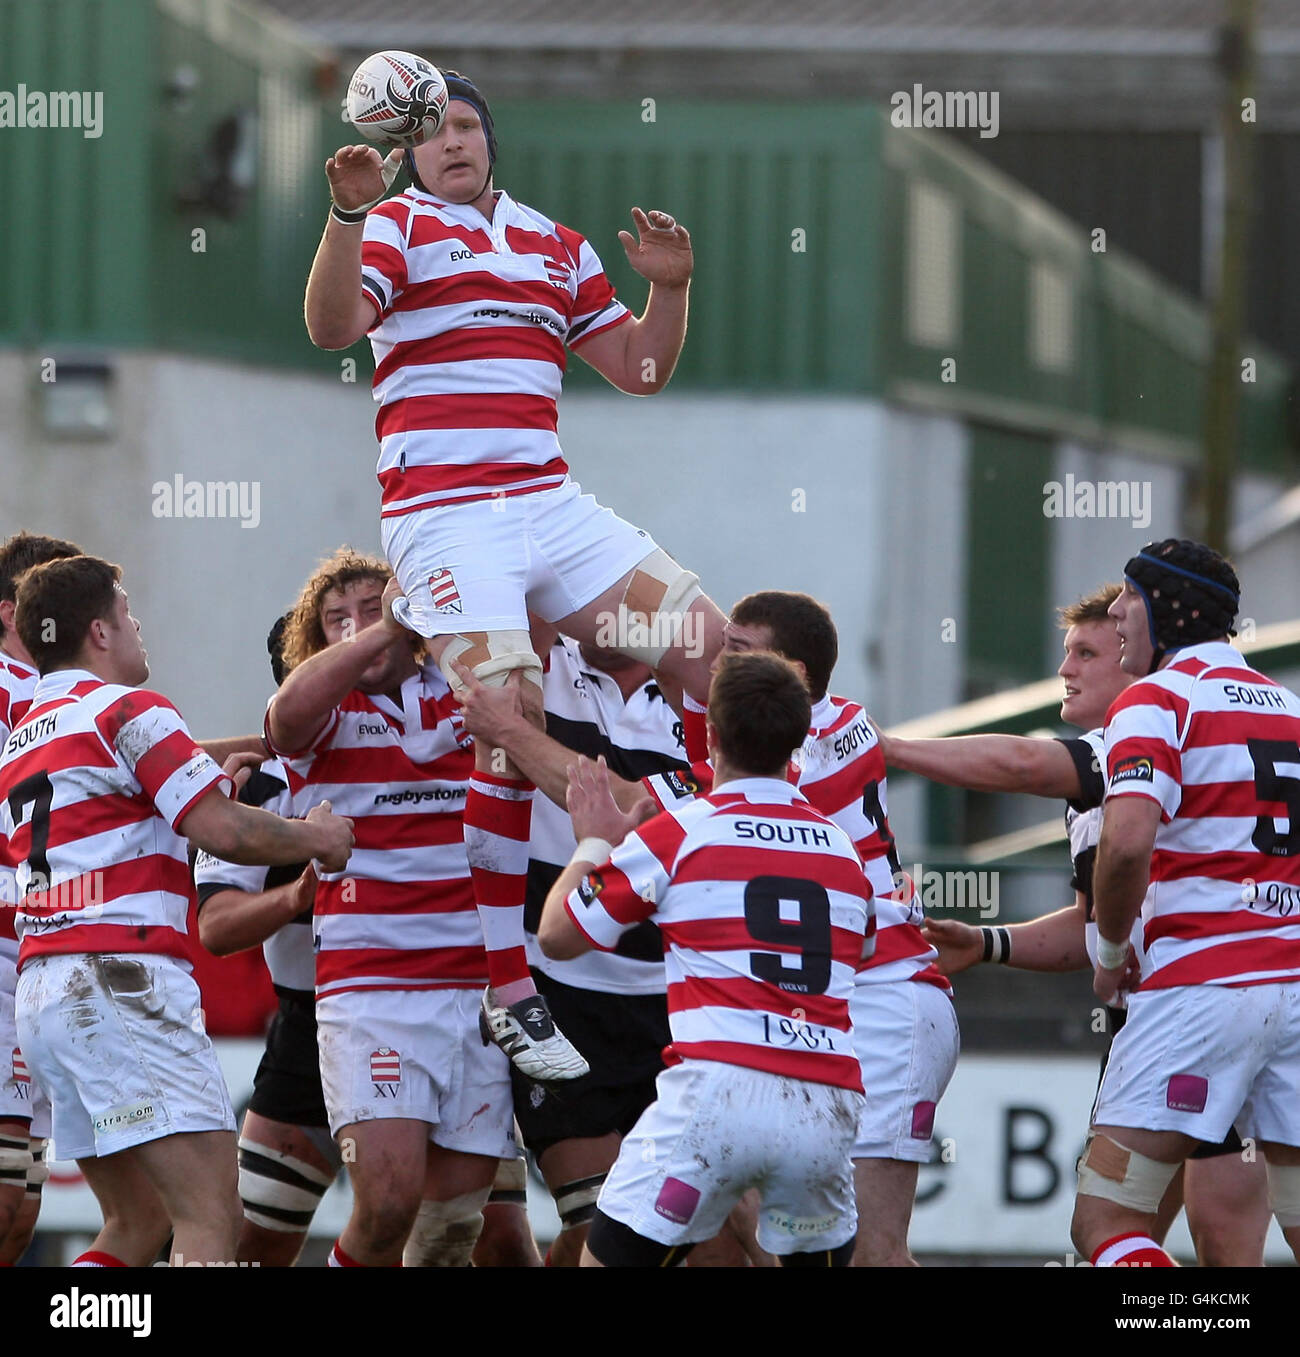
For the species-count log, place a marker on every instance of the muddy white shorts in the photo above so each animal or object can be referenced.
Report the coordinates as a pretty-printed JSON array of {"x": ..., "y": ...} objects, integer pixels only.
[
  {"x": 906, "y": 1040},
  {"x": 714, "y": 1131},
  {"x": 1201, "y": 1058},
  {"x": 119, "y": 1045},
  {"x": 416, "y": 1054},
  {"x": 483, "y": 566}
]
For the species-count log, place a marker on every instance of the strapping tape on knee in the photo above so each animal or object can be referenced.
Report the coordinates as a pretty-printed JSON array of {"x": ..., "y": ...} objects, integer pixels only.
[
  {"x": 279, "y": 1191},
  {"x": 491, "y": 656},
  {"x": 15, "y": 1161},
  {"x": 444, "y": 1233},
  {"x": 652, "y": 612},
  {"x": 510, "y": 1186},
  {"x": 1284, "y": 1194},
  {"x": 575, "y": 1202},
  {"x": 1116, "y": 1174}
]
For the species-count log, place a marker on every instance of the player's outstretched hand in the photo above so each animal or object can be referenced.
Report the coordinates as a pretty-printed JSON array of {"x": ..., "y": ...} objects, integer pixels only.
[
  {"x": 336, "y": 839},
  {"x": 489, "y": 714},
  {"x": 359, "y": 176},
  {"x": 592, "y": 807},
  {"x": 960, "y": 946},
  {"x": 661, "y": 250},
  {"x": 239, "y": 767}
]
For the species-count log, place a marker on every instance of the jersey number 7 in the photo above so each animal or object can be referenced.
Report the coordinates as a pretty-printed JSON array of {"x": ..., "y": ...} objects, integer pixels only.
[{"x": 38, "y": 792}]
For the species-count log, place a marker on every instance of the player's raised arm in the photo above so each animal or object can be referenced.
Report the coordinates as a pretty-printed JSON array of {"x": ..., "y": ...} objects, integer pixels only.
[
  {"x": 639, "y": 357},
  {"x": 336, "y": 310},
  {"x": 989, "y": 763}
]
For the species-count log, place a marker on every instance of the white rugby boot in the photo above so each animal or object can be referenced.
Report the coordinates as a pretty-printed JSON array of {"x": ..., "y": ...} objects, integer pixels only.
[{"x": 527, "y": 1033}]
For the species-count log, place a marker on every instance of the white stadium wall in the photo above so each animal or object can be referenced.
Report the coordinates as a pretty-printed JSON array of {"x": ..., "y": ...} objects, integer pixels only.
[{"x": 835, "y": 496}]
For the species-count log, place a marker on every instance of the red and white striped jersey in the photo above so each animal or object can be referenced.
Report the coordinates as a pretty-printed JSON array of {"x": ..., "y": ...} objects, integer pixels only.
[
  {"x": 841, "y": 771},
  {"x": 474, "y": 316},
  {"x": 401, "y": 915},
  {"x": 765, "y": 913},
  {"x": 1217, "y": 746},
  {"x": 17, "y": 685},
  {"x": 94, "y": 781}
]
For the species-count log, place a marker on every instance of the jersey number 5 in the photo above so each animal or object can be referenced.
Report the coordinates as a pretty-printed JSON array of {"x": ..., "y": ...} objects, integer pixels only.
[
  {"x": 810, "y": 933},
  {"x": 1271, "y": 784}
]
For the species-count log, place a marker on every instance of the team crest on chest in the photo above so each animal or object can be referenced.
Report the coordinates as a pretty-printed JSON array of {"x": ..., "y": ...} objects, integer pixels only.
[{"x": 560, "y": 272}]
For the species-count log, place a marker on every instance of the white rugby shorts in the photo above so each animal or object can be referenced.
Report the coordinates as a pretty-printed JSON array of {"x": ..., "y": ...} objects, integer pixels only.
[
  {"x": 119, "y": 1045},
  {"x": 483, "y": 566},
  {"x": 416, "y": 1054},
  {"x": 716, "y": 1130},
  {"x": 906, "y": 1040},
  {"x": 1201, "y": 1058}
]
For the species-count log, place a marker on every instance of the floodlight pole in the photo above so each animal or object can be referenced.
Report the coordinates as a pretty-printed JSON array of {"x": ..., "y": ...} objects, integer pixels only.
[{"x": 1236, "y": 61}]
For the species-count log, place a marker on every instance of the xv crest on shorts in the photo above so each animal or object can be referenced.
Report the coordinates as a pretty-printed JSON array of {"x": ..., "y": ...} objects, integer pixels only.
[{"x": 385, "y": 1071}]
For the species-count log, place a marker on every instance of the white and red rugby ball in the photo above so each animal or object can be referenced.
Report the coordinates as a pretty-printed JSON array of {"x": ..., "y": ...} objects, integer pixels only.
[{"x": 397, "y": 99}]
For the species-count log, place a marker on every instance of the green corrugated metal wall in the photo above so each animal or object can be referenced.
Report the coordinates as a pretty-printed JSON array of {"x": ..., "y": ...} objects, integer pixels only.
[
  {"x": 780, "y": 204},
  {"x": 95, "y": 249}
]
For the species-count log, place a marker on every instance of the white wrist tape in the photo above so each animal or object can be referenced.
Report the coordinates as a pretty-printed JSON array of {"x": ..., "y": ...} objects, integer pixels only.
[
  {"x": 592, "y": 850},
  {"x": 1111, "y": 955}
]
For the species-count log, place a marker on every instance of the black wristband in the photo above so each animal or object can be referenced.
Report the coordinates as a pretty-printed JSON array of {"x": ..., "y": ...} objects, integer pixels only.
[
  {"x": 348, "y": 218},
  {"x": 997, "y": 945}
]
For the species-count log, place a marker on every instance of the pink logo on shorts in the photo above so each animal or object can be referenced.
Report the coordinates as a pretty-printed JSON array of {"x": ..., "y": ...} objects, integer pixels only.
[
  {"x": 677, "y": 1200},
  {"x": 923, "y": 1121},
  {"x": 385, "y": 1071},
  {"x": 446, "y": 597},
  {"x": 20, "y": 1068},
  {"x": 1187, "y": 1093}
]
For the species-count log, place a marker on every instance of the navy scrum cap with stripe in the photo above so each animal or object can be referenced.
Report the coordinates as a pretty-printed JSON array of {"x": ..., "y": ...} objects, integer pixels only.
[
  {"x": 462, "y": 87},
  {"x": 1191, "y": 594}
]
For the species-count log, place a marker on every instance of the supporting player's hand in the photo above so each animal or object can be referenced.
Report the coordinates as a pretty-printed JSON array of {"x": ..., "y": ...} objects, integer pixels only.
[
  {"x": 959, "y": 945},
  {"x": 359, "y": 177},
  {"x": 661, "y": 250},
  {"x": 489, "y": 714},
  {"x": 304, "y": 891},
  {"x": 239, "y": 768},
  {"x": 1108, "y": 985},
  {"x": 392, "y": 592},
  {"x": 336, "y": 838},
  {"x": 592, "y": 807}
]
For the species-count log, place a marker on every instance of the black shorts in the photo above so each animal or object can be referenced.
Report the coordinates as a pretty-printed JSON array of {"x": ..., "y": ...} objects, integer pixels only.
[
  {"x": 1230, "y": 1144},
  {"x": 622, "y": 1037},
  {"x": 286, "y": 1086}
]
